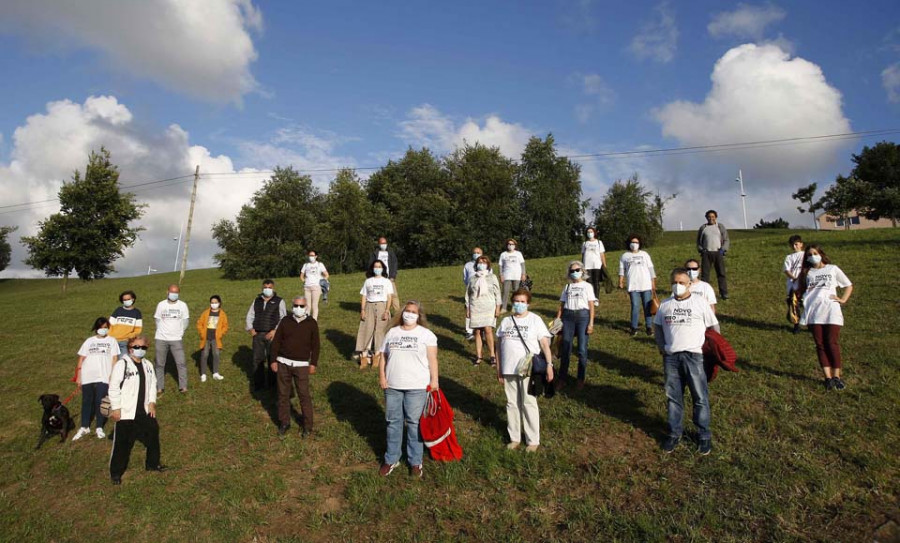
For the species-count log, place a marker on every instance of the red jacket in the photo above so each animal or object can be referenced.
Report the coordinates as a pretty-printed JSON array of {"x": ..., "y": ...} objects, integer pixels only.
[{"x": 717, "y": 352}]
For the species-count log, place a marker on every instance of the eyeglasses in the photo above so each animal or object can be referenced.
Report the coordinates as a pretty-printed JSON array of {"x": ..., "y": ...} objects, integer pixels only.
[
  {"x": 694, "y": 269},
  {"x": 295, "y": 305},
  {"x": 138, "y": 347},
  {"x": 575, "y": 270}
]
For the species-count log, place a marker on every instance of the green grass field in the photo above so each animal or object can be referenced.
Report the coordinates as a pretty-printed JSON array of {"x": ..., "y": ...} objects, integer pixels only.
[{"x": 791, "y": 462}]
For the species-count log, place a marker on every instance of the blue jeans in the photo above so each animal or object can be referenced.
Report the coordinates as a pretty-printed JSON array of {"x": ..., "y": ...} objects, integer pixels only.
[
  {"x": 91, "y": 394},
  {"x": 575, "y": 322},
  {"x": 686, "y": 368},
  {"x": 638, "y": 298},
  {"x": 400, "y": 405},
  {"x": 123, "y": 347}
]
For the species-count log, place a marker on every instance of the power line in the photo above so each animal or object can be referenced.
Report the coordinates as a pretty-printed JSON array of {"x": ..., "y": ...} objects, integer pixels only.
[{"x": 122, "y": 186}]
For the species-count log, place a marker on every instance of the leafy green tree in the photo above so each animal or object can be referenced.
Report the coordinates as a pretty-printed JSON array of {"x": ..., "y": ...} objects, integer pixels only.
[
  {"x": 844, "y": 196},
  {"x": 272, "y": 233},
  {"x": 91, "y": 229},
  {"x": 807, "y": 196},
  {"x": 627, "y": 209},
  {"x": 5, "y": 247},
  {"x": 777, "y": 223},
  {"x": 343, "y": 236},
  {"x": 879, "y": 168},
  {"x": 549, "y": 187},
  {"x": 487, "y": 212}
]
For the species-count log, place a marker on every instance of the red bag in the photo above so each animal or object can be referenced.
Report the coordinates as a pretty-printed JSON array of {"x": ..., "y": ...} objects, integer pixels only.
[
  {"x": 717, "y": 352},
  {"x": 436, "y": 427}
]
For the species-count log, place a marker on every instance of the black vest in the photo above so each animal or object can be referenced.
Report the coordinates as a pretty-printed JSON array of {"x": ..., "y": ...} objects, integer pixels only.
[{"x": 265, "y": 314}]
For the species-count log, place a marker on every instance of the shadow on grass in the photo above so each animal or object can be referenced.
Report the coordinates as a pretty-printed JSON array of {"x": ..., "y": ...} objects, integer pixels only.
[
  {"x": 749, "y": 323},
  {"x": 622, "y": 404},
  {"x": 342, "y": 341},
  {"x": 742, "y": 364},
  {"x": 446, "y": 324},
  {"x": 457, "y": 299},
  {"x": 353, "y": 307},
  {"x": 260, "y": 381},
  {"x": 362, "y": 411},
  {"x": 475, "y": 405},
  {"x": 543, "y": 296},
  {"x": 626, "y": 367},
  {"x": 446, "y": 342}
]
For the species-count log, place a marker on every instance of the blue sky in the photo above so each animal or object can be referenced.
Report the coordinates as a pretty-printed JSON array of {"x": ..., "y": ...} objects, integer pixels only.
[{"x": 242, "y": 86}]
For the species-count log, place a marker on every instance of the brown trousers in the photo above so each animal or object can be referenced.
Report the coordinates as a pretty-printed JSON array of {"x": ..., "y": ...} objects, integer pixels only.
[{"x": 290, "y": 377}]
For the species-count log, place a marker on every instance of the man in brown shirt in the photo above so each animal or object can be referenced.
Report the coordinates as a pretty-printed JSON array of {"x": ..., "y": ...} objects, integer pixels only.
[{"x": 295, "y": 354}]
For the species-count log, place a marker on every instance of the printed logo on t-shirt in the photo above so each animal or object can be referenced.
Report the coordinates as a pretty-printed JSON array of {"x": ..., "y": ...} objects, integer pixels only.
[
  {"x": 173, "y": 313},
  {"x": 823, "y": 280},
  {"x": 126, "y": 321},
  {"x": 679, "y": 316},
  {"x": 511, "y": 332},
  {"x": 99, "y": 348},
  {"x": 376, "y": 290},
  {"x": 635, "y": 260},
  {"x": 403, "y": 343}
]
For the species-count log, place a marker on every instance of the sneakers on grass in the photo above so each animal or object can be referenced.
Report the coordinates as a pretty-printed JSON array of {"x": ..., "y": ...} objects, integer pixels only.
[
  {"x": 217, "y": 377},
  {"x": 829, "y": 383},
  {"x": 387, "y": 469},
  {"x": 81, "y": 433},
  {"x": 101, "y": 434},
  {"x": 705, "y": 447},
  {"x": 417, "y": 471},
  {"x": 203, "y": 378},
  {"x": 838, "y": 383},
  {"x": 670, "y": 444}
]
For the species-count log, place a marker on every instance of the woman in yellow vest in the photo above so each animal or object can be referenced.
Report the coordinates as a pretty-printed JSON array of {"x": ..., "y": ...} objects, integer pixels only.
[{"x": 212, "y": 326}]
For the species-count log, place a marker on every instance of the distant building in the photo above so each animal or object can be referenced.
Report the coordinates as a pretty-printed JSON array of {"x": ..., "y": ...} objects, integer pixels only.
[{"x": 854, "y": 221}]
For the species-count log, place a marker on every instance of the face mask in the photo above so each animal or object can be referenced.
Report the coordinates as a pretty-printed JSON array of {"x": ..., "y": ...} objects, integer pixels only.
[
  {"x": 410, "y": 318},
  {"x": 139, "y": 353},
  {"x": 377, "y": 271},
  {"x": 312, "y": 259},
  {"x": 299, "y": 312},
  {"x": 575, "y": 274},
  {"x": 267, "y": 292},
  {"x": 475, "y": 256},
  {"x": 519, "y": 307},
  {"x": 383, "y": 246},
  {"x": 635, "y": 246},
  {"x": 693, "y": 274},
  {"x": 814, "y": 259},
  {"x": 214, "y": 306},
  {"x": 511, "y": 247},
  {"x": 679, "y": 290},
  {"x": 102, "y": 332},
  {"x": 590, "y": 235},
  {"x": 481, "y": 266},
  {"x": 128, "y": 303},
  {"x": 173, "y": 296}
]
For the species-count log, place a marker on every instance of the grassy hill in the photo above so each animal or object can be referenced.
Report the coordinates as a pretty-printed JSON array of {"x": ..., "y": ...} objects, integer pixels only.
[{"x": 791, "y": 462}]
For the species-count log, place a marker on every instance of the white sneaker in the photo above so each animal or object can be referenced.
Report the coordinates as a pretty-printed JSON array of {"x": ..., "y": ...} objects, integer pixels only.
[
  {"x": 203, "y": 378},
  {"x": 217, "y": 377},
  {"x": 101, "y": 434},
  {"x": 81, "y": 433}
]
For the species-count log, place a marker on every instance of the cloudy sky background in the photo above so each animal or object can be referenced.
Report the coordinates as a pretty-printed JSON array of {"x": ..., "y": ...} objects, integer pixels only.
[{"x": 239, "y": 87}]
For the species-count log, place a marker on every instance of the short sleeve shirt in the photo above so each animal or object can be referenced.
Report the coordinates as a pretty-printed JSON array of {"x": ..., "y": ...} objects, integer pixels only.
[
  {"x": 406, "y": 357},
  {"x": 577, "y": 296},
  {"x": 512, "y": 350},
  {"x": 377, "y": 289},
  {"x": 705, "y": 291},
  {"x": 313, "y": 272},
  {"x": 638, "y": 271},
  {"x": 793, "y": 264},
  {"x": 511, "y": 265},
  {"x": 821, "y": 285},
  {"x": 592, "y": 249},
  {"x": 684, "y": 323},
  {"x": 99, "y": 355}
]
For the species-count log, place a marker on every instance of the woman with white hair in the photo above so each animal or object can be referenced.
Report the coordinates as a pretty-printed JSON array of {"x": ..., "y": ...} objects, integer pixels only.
[{"x": 576, "y": 309}]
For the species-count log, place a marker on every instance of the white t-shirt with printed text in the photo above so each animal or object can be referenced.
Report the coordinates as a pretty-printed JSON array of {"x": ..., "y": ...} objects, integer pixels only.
[
  {"x": 406, "y": 357},
  {"x": 171, "y": 320},
  {"x": 638, "y": 271},
  {"x": 384, "y": 257},
  {"x": 591, "y": 251},
  {"x": 684, "y": 323},
  {"x": 821, "y": 285},
  {"x": 313, "y": 272},
  {"x": 511, "y": 265},
  {"x": 705, "y": 291},
  {"x": 99, "y": 353},
  {"x": 793, "y": 264},
  {"x": 377, "y": 289},
  {"x": 533, "y": 330},
  {"x": 579, "y": 295}
]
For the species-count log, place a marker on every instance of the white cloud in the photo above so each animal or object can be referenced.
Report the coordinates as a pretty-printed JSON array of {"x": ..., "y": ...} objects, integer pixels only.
[
  {"x": 203, "y": 49},
  {"x": 747, "y": 21},
  {"x": 597, "y": 91},
  {"x": 426, "y": 126},
  {"x": 49, "y": 146},
  {"x": 658, "y": 38},
  {"x": 890, "y": 78}
]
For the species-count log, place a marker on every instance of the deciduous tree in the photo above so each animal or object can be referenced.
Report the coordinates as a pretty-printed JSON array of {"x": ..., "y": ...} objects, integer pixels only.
[
  {"x": 627, "y": 209},
  {"x": 5, "y": 247}
]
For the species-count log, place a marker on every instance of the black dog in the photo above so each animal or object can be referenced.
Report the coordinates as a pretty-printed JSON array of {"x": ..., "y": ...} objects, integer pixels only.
[{"x": 56, "y": 419}]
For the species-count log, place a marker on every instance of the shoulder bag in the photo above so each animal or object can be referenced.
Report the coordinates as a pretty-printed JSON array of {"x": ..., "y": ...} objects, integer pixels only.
[{"x": 531, "y": 362}]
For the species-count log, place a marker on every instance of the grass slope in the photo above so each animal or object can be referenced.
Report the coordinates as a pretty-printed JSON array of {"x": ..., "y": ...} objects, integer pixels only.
[{"x": 791, "y": 463}]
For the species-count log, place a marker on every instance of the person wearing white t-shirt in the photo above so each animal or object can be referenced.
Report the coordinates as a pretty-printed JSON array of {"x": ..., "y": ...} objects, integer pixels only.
[
  {"x": 793, "y": 265},
  {"x": 468, "y": 273},
  {"x": 172, "y": 320},
  {"x": 681, "y": 323},
  {"x": 483, "y": 308},
  {"x": 374, "y": 314},
  {"x": 311, "y": 274},
  {"x": 698, "y": 286},
  {"x": 512, "y": 270},
  {"x": 95, "y": 361},
  {"x": 636, "y": 273},
  {"x": 822, "y": 313},
  {"x": 410, "y": 368},
  {"x": 593, "y": 254},
  {"x": 518, "y": 334},
  {"x": 576, "y": 310}
]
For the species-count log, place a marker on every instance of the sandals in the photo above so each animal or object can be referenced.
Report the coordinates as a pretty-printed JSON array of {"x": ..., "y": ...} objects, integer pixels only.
[
  {"x": 477, "y": 360},
  {"x": 493, "y": 361}
]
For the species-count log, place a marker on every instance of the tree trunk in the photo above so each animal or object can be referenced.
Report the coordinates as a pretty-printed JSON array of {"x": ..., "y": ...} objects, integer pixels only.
[{"x": 65, "y": 282}]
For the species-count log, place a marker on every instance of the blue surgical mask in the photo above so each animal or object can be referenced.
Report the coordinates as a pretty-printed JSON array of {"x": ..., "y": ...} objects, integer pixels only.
[
  {"x": 575, "y": 274},
  {"x": 139, "y": 353},
  {"x": 173, "y": 296},
  {"x": 102, "y": 332},
  {"x": 814, "y": 259},
  {"x": 382, "y": 246},
  {"x": 481, "y": 266},
  {"x": 267, "y": 292},
  {"x": 377, "y": 271},
  {"x": 590, "y": 235},
  {"x": 693, "y": 274},
  {"x": 128, "y": 303},
  {"x": 475, "y": 256},
  {"x": 519, "y": 307}
]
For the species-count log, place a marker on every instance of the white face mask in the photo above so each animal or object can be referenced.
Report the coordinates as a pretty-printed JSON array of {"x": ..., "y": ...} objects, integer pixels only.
[
  {"x": 693, "y": 274},
  {"x": 679, "y": 290},
  {"x": 377, "y": 271},
  {"x": 214, "y": 306},
  {"x": 511, "y": 247},
  {"x": 300, "y": 312},
  {"x": 139, "y": 353},
  {"x": 267, "y": 292},
  {"x": 481, "y": 266},
  {"x": 173, "y": 296},
  {"x": 128, "y": 303},
  {"x": 635, "y": 246},
  {"x": 312, "y": 259},
  {"x": 410, "y": 318},
  {"x": 590, "y": 235},
  {"x": 475, "y": 256},
  {"x": 383, "y": 246},
  {"x": 814, "y": 259},
  {"x": 102, "y": 332}
]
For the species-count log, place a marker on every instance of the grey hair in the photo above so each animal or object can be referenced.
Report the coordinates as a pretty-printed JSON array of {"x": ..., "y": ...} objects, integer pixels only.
[
  {"x": 298, "y": 297},
  {"x": 578, "y": 263}
]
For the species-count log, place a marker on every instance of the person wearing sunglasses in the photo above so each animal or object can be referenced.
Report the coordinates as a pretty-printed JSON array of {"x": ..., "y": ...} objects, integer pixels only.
[
  {"x": 576, "y": 309},
  {"x": 698, "y": 286},
  {"x": 295, "y": 355},
  {"x": 132, "y": 399}
]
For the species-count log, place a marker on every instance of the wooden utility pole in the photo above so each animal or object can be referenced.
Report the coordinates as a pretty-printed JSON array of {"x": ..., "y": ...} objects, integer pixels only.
[{"x": 187, "y": 234}]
